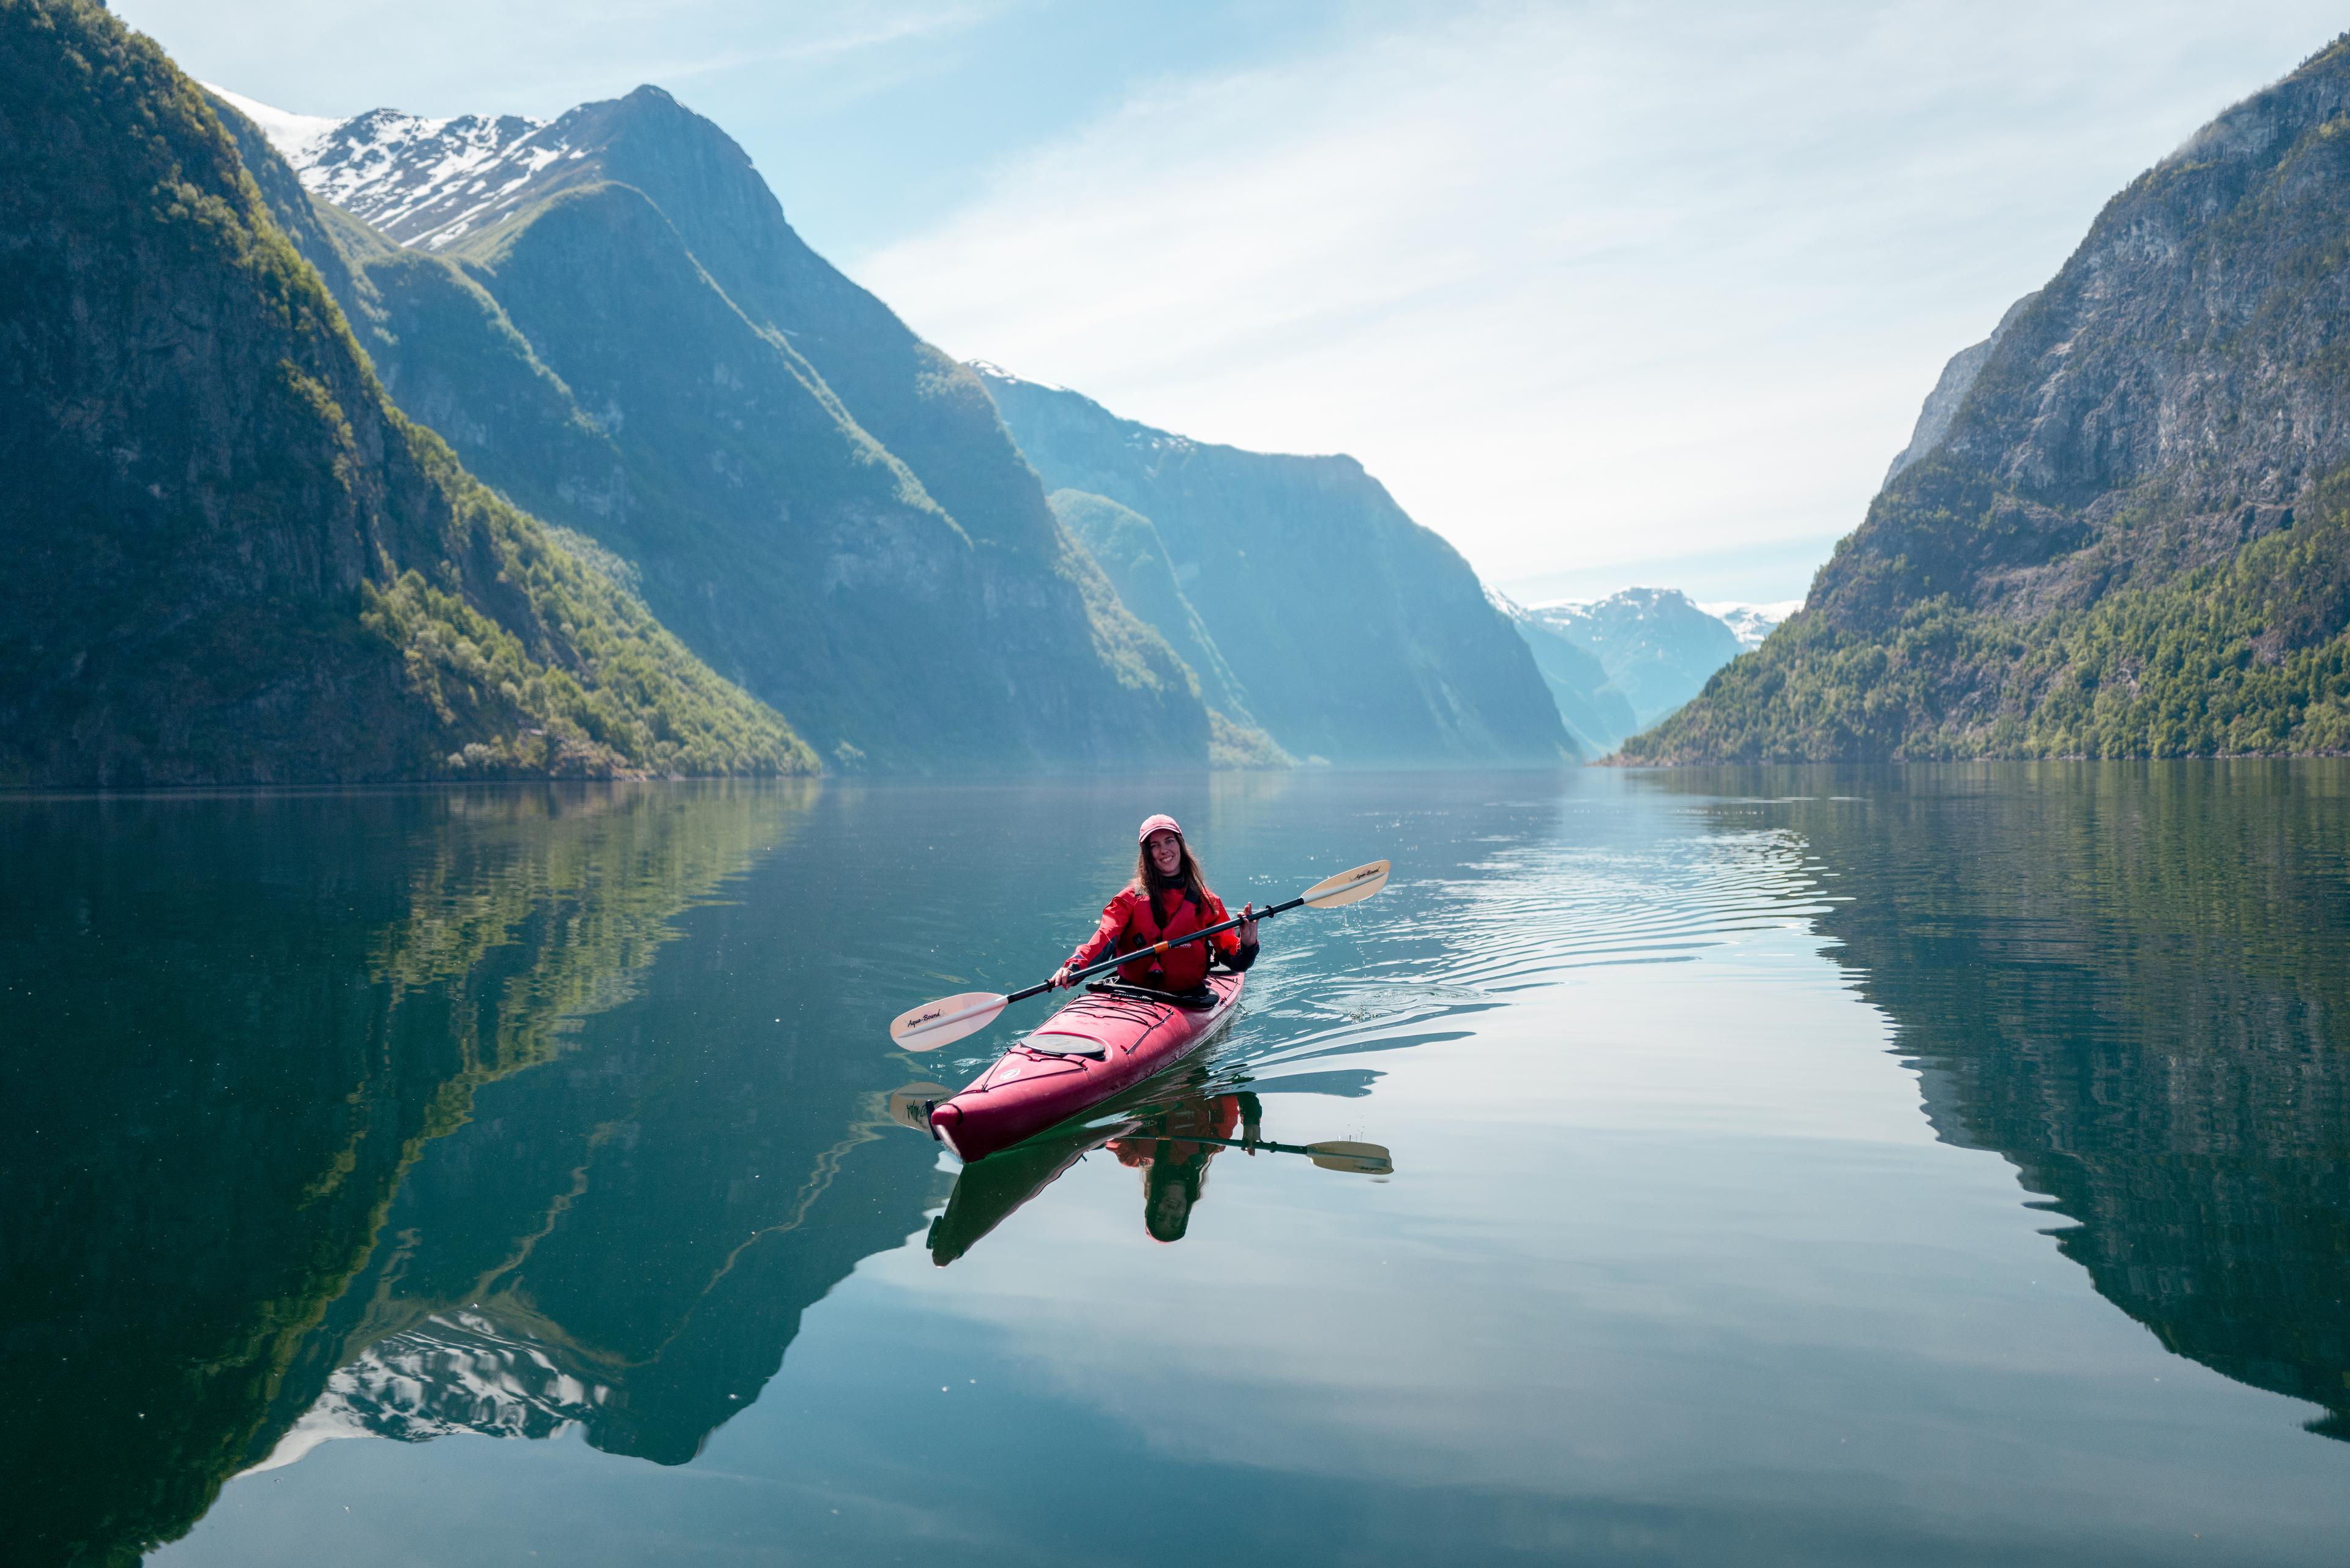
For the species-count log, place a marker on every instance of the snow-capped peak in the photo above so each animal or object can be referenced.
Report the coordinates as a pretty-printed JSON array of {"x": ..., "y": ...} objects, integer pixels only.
[
  {"x": 1751, "y": 622},
  {"x": 418, "y": 180},
  {"x": 288, "y": 132}
]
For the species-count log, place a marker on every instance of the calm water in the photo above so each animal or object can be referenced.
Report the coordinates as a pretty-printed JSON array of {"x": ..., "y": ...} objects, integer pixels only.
[{"x": 1790, "y": 1167}]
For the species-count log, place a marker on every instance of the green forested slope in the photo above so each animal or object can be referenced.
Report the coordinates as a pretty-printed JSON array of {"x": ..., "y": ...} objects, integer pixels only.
[
  {"x": 819, "y": 504},
  {"x": 223, "y": 556},
  {"x": 2131, "y": 539}
]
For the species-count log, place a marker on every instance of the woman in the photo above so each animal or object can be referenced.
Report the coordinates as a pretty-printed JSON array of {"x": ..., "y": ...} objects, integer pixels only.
[{"x": 1167, "y": 898}]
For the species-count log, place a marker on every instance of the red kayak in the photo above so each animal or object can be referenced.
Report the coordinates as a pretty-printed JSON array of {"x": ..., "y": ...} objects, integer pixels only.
[{"x": 1108, "y": 1040}]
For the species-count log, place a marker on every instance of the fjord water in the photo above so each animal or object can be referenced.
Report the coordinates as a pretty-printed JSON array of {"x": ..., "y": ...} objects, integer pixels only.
[{"x": 1945, "y": 1165}]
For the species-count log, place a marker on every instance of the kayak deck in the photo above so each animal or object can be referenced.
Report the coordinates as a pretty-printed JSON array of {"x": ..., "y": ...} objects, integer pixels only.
[{"x": 1100, "y": 1043}]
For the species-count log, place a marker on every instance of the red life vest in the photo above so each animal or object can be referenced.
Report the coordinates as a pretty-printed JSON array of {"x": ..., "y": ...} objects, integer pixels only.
[
  {"x": 1177, "y": 968},
  {"x": 1131, "y": 923}
]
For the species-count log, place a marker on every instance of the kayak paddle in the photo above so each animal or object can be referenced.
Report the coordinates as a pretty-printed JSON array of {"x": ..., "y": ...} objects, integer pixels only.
[{"x": 950, "y": 1018}]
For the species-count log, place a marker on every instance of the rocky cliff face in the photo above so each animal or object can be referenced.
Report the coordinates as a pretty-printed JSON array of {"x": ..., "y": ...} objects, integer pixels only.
[
  {"x": 1354, "y": 633},
  {"x": 226, "y": 558},
  {"x": 2125, "y": 543},
  {"x": 607, "y": 317},
  {"x": 1958, "y": 378}
]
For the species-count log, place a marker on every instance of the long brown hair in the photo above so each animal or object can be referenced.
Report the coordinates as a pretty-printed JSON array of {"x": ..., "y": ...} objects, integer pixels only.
[{"x": 1188, "y": 876}]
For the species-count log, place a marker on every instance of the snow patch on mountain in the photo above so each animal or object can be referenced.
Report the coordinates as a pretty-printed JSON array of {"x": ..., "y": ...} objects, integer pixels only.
[
  {"x": 289, "y": 133},
  {"x": 418, "y": 180},
  {"x": 1751, "y": 622},
  {"x": 423, "y": 182}
]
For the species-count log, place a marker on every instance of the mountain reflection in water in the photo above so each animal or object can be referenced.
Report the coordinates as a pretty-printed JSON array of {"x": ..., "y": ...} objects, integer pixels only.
[
  {"x": 2133, "y": 981},
  {"x": 513, "y": 1113}
]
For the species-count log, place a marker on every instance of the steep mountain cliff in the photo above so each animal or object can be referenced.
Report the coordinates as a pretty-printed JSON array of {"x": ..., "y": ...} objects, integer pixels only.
[
  {"x": 224, "y": 556},
  {"x": 1126, "y": 547},
  {"x": 608, "y": 319},
  {"x": 1356, "y": 634},
  {"x": 2132, "y": 538}
]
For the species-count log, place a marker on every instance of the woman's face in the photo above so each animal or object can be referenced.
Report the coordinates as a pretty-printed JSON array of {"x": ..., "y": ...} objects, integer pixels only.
[{"x": 1166, "y": 852}]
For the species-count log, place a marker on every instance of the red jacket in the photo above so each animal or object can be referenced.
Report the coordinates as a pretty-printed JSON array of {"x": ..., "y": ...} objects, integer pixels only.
[{"x": 1131, "y": 921}]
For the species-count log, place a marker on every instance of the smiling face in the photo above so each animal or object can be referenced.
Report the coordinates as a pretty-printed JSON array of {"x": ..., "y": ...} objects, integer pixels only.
[{"x": 1166, "y": 852}]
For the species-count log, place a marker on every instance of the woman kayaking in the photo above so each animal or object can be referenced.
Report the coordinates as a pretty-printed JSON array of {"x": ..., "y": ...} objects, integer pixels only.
[{"x": 1167, "y": 898}]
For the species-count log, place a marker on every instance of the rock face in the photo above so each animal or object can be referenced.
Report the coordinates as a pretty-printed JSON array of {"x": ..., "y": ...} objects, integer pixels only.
[
  {"x": 224, "y": 557},
  {"x": 2130, "y": 539},
  {"x": 609, "y": 319},
  {"x": 1957, "y": 380},
  {"x": 1354, "y": 633}
]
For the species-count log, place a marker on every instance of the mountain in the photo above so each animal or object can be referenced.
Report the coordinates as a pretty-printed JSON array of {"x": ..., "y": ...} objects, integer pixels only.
[
  {"x": 1126, "y": 547},
  {"x": 608, "y": 319},
  {"x": 1750, "y": 624},
  {"x": 1950, "y": 390},
  {"x": 2133, "y": 538},
  {"x": 226, "y": 558},
  {"x": 1597, "y": 716},
  {"x": 1656, "y": 645},
  {"x": 1354, "y": 633}
]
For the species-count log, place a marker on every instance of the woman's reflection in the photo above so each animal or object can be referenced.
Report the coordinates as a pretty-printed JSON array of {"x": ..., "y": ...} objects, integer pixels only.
[{"x": 1172, "y": 1150}]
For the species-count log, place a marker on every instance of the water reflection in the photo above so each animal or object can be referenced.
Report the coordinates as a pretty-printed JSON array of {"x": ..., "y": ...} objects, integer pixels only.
[
  {"x": 2133, "y": 983},
  {"x": 1168, "y": 1133},
  {"x": 235, "y": 1025}
]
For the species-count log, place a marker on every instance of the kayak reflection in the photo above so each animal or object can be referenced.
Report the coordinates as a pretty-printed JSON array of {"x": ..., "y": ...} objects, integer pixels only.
[{"x": 1169, "y": 1138}]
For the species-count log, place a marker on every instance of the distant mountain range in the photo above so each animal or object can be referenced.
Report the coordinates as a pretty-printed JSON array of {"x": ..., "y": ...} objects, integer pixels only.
[
  {"x": 403, "y": 448},
  {"x": 1619, "y": 664},
  {"x": 2122, "y": 527}
]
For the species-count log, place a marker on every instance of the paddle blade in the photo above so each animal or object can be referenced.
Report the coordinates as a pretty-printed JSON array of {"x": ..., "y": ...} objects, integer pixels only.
[
  {"x": 1362, "y": 1159},
  {"x": 949, "y": 1019},
  {"x": 1347, "y": 886},
  {"x": 909, "y": 1107}
]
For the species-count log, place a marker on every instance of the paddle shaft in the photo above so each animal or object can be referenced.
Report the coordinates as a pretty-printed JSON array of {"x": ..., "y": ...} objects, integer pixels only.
[
  {"x": 1156, "y": 948},
  {"x": 1232, "y": 1142}
]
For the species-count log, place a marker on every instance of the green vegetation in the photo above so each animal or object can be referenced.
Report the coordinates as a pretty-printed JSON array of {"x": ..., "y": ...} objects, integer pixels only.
[
  {"x": 230, "y": 560},
  {"x": 2250, "y": 656}
]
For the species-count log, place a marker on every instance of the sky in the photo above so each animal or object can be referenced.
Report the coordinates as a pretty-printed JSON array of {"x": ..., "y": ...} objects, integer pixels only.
[{"x": 1605, "y": 293}]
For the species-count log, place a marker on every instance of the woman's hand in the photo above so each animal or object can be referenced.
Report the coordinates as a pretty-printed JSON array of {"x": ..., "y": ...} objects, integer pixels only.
[
  {"x": 1060, "y": 981},
  {"x": 1248, "y": 925}
]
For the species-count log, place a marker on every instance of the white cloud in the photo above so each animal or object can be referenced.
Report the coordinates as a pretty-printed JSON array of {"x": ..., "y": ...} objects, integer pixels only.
[{"x": 1582, "y": 283}]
